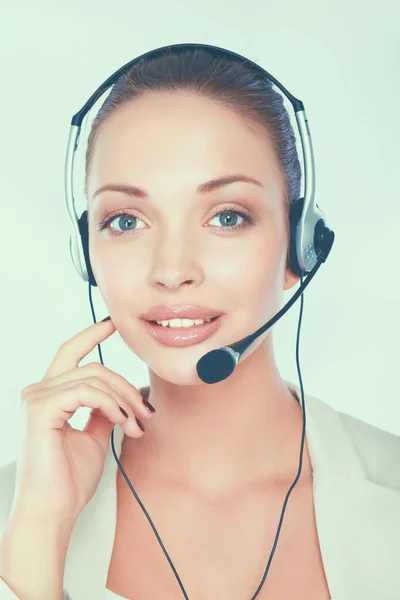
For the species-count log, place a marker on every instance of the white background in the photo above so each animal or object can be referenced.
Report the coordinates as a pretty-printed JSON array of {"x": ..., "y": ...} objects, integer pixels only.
[{"x": 340, "y": 57}]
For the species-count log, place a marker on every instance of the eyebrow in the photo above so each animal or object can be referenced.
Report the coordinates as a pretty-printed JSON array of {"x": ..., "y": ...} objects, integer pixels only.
[{"x": 204, "y": 188}]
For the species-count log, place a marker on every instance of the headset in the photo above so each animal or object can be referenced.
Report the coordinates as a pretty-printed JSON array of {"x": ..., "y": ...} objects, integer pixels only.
[{"x": 311, "y": 241}]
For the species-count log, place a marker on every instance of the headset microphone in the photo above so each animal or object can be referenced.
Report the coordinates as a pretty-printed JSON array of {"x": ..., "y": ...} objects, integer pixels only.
[{"x": 218, "y": 364}]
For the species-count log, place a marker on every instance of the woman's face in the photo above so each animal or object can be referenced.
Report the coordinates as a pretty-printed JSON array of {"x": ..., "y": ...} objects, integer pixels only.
[{"x": 170, "y": 248}]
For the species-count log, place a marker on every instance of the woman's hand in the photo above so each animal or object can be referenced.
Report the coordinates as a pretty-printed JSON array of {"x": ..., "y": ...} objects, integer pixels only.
[{"x": 59, "y": 467}]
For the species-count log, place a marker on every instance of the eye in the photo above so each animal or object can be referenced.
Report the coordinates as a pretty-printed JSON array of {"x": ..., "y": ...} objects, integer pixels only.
[
  {"x": 123, "y": 220},
  {"x": 229, "y": 218}
]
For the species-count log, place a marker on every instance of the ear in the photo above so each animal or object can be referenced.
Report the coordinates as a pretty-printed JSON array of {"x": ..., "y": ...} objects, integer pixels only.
[{"x": 290, "y": 279}]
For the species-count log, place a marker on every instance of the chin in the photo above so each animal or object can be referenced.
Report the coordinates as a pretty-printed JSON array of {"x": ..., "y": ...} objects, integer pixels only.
[{"x": 178, "y": 372}]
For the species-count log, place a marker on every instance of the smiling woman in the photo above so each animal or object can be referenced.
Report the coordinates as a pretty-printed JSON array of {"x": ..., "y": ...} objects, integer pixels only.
[
  {"x": 181, "y": 217},
  {"x": 191, "y": 171},
  {"x": 178, "y": 210}
]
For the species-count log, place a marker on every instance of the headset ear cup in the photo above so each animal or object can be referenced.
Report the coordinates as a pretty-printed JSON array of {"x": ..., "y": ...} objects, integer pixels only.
[
  {"x": 84, "y": 231},
  {"x": 296, "y": 210}
]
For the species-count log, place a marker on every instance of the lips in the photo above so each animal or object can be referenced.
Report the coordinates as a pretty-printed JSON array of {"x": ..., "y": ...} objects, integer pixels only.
[
  {"x": 183, "y": 336},
  {"x": 165, "y": 313}
]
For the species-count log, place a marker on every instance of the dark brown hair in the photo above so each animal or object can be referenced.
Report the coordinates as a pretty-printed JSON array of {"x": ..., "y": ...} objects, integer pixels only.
[{"x": 224, "y": 79}]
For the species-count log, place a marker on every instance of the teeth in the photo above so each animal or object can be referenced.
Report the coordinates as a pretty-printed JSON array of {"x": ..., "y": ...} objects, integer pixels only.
[{"x": 182, "y": 322}]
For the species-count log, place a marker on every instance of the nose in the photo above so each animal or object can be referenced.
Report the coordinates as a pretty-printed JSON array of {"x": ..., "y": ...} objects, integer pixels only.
[{"x": 177, "y": 262}]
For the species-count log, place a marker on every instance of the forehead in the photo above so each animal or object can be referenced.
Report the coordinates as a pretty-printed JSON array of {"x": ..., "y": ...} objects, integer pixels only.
[{"x": 183, "y": 135}]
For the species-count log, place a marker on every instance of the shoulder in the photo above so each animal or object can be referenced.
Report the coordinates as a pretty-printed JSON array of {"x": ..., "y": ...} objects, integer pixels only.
[
  {"x": 7, "y": 488},
  {"x": 349, "y": 445},
  {"x": 377, "y": 449}
]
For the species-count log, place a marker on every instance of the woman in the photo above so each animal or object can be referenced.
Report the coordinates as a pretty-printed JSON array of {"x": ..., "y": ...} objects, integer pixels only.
[{"x": 213, "y": 463}]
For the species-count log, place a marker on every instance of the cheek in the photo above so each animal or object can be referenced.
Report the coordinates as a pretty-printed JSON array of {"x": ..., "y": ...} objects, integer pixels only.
[
  {"x": 252, "y": 270},
  {"x": 258, "y": 274},
  {"x": 118, "y": 278},
  {"x": 256, "y": 293}
]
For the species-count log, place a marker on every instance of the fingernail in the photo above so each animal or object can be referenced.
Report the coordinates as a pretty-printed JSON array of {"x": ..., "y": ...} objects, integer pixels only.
[
  {"x": 106, "y": 319},
  {"x": 123, "y": 411},
  {"x": 140, "y": 424},
  {"x": 148, "y": 406}
]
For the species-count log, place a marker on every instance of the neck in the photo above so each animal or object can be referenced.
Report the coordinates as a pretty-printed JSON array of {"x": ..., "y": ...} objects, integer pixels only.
[{"x": 214, "y": 439}]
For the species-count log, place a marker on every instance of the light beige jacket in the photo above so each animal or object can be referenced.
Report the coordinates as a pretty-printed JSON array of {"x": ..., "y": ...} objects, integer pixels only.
[{"x": 356, "y": 482}]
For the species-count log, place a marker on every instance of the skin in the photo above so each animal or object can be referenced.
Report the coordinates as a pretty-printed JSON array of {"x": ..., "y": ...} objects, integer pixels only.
[{"x": 212, "y": 439}]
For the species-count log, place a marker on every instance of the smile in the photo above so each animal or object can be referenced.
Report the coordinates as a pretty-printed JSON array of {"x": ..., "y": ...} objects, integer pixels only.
[{"x": 183, "y": 332}]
